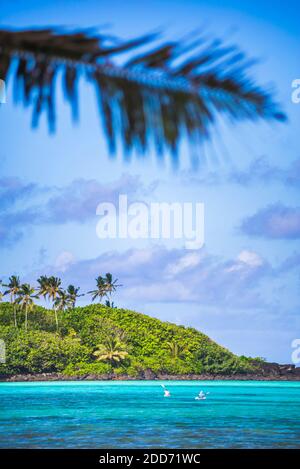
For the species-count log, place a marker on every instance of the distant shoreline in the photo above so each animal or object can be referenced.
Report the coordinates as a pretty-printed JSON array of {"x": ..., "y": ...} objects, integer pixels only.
[{"x": 203, "y": 377}]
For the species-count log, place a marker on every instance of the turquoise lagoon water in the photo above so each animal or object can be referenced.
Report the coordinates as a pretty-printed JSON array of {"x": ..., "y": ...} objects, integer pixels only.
[{"x": 135, "y": 414}]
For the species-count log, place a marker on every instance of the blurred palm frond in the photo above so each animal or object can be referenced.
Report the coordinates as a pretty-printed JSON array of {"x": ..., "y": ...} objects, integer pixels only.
[{"x": 153, "y": 96}]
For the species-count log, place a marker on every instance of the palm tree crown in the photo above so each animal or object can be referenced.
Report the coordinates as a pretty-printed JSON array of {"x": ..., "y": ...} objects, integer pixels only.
[
  {"x": 62, "y": 301},
  {"x": 105, "y": 286},
  {"x": 73, "y": 294},
  {"x": 110, "y": 284},
  {"x": 100, "y": 291},
  {"x": 13, "y": 285},
  {"x": 53, "y": 287},
  {"x": 43, "y": 282},
  {"x": 112, "y": 350},
  {"x": 176, "y": 350},
  {"x": 154, "y": 98}
]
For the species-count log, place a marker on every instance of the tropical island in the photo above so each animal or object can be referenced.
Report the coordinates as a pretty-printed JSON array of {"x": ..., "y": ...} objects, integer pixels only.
[{"x": 101, "y": 341}]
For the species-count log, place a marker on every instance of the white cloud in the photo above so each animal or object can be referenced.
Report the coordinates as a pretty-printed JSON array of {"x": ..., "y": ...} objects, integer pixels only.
[
  {"x": 158, "y": 274},
  {"x": 250, "y": 258},
  {"x": 185, "y": 262},
  {"x": 245, "y": 260},
  {"x": 64, "y": 261},
  {"x": 276, "y": 221}
]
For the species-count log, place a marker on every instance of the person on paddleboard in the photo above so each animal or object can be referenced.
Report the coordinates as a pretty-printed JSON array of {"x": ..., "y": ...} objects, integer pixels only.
[
  {"x": 201, "y": 396},
  {"x": 166, "y": 392}
]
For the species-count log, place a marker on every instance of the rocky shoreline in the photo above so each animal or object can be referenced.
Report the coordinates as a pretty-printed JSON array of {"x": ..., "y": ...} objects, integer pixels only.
[
  {"x": 269, "y": 372},
  {"x": 59, "y": 377}
]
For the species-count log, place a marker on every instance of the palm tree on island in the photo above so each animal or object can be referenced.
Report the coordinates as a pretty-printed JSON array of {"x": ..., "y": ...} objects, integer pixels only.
[
  {"x": 110, "y": 284},
  {"x": 14, "y": 288},
  {"x": 50, "y": 287},
  {"x": 43, "y": 288},
  {"x": 73, "y": 293},
  {"x": 105, "y": 286},
  {"x": 25, "y": 299},
  {"x": 176, "y": 350},
  {"x": 100, "y": 291},
  {"x": 62, "y": 302},
  {"x": 112, "y": 350},
  {"x": 54, "y": 290}
]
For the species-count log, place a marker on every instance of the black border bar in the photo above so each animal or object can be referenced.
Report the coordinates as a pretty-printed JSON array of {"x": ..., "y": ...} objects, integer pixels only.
[{"x": 133, "y": 458}]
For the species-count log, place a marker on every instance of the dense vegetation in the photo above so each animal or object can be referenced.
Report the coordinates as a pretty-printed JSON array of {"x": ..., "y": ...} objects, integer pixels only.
[{"x": 100, "y": 339}]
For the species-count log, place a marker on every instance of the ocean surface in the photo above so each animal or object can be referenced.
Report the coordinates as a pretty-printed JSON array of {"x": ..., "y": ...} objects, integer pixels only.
[{"x": 135, "y": 415}]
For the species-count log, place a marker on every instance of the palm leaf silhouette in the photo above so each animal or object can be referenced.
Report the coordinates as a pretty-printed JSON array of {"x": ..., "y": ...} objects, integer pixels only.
[{"x": 152, "y": 98}]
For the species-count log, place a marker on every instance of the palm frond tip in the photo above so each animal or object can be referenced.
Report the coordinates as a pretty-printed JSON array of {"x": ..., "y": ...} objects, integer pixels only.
[{"x": 154, "y": 97}]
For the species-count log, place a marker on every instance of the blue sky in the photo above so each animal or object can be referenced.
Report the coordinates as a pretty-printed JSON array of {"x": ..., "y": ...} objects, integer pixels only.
[{"x": 242, "y": 288}]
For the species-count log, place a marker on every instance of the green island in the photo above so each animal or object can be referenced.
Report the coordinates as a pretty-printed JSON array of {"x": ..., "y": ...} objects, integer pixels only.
[
  {"x": 98, "y": 339},
  {"x": 101, "y": 341}
]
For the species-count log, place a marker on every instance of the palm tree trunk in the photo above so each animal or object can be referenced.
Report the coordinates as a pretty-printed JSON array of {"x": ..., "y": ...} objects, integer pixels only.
[
  {"x": 26, "y": 318},
  {"x": 56, "y": 318},
  {"x": 12, "y": 299},
  {"x": 15, "y": 315}
]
